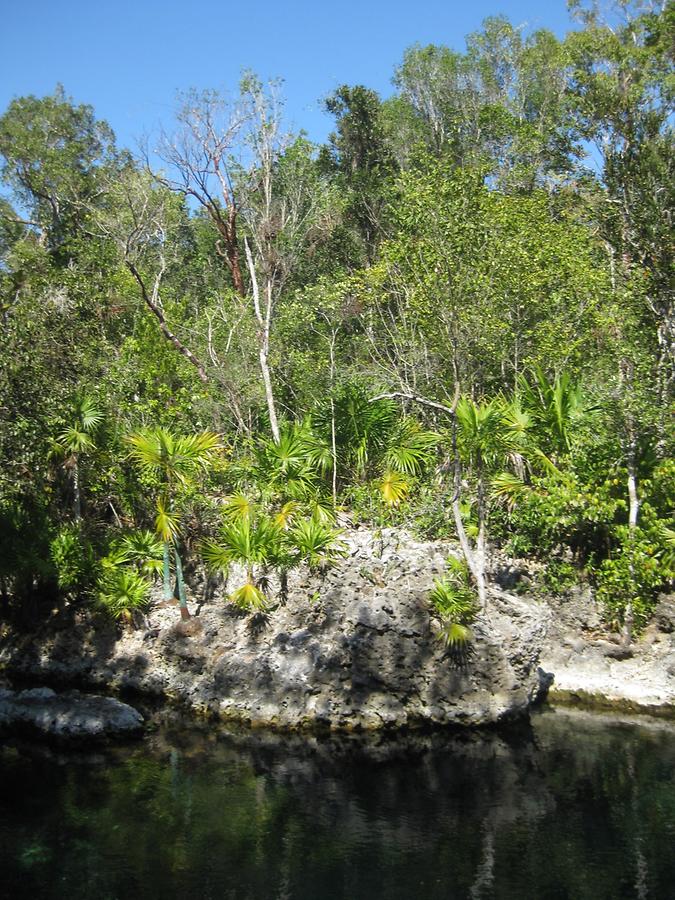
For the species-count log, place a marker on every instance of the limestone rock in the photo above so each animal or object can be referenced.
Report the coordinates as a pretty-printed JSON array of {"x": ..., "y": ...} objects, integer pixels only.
[
  {"x": 352, "y": 649},
  {"x": 69, "y": 715}
]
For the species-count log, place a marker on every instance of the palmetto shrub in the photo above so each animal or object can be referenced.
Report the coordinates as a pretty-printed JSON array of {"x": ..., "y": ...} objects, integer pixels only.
[{"x": 454, "y": 604}]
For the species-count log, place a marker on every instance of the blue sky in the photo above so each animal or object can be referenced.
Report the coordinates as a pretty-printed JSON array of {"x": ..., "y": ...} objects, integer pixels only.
[{"x": 128, "y": 59}]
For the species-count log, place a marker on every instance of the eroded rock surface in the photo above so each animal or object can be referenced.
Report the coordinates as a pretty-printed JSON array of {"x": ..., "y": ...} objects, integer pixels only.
[
  {"x": 354, "y": 649},
  {"x": 592, "y": 667}
]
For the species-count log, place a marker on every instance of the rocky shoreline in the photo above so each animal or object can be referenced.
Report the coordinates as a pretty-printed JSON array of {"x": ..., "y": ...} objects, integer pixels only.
[
  {"x": 591, "y": 668},
  {"x": 357, "y": 649}
]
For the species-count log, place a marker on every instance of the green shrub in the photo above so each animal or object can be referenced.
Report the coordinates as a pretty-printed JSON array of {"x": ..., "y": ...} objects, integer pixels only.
[
  {"x": 454, "y": 604},
  {"x": 560, "y": 574},
  {"x": 74, "y": 560},
  {"x": 122, "y": 591},
  {"x": 634, "y": 573}
]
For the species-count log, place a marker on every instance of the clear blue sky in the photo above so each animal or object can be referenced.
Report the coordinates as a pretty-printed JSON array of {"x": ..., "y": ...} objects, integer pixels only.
[{"x": 128, "y": 59}]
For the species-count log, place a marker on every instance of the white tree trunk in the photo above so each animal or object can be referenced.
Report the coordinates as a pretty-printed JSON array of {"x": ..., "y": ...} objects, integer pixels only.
[
  {"x": 263, "y": 340},
  {"x": 77, "y": 491}
]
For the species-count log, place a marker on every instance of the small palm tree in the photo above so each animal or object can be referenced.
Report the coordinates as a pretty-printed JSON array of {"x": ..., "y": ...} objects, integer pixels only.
[
  {"x": 454, "y": 603},
  {"x": 408, "y": 450},
  {"x": 172, "y": 460},
  {"x": 556, "y": 407},
  {"x": 249, "y": 538},
  {"x": 363, "y": 429},
  {"x": 75, "y": 440},
  {"x": 490, "y": 435},
  {"x": 122, "y": 592},
  {"x": 315, "y": 543},
  {"x": 291, "y": 467}
]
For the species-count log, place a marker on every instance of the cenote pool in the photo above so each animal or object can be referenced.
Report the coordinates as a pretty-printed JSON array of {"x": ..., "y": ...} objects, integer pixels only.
[{"x": 572, "y": 805}]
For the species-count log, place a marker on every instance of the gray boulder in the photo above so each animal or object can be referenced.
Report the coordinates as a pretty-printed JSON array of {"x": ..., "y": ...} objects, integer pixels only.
[{"x": 69, "y": 715}]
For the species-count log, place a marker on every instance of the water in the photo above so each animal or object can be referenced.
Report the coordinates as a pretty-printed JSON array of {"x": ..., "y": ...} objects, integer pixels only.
[{"x": 575, "y": 806}]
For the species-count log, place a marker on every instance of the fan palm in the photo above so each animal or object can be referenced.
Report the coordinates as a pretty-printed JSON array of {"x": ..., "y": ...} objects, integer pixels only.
[
  {"x": 172, "y": 460},
  {"x": 122, "y": 592},
  {"x": 408, "y": 450},
  {"x": 76, "y": 439},
  {"x": 316, "y": 543},
  {"x": 362, "y": 429},
  {"x": 454, "y": 603},
  {"x": 556, "y": 407},
  {"x": 247, "y": 538},
  {"x": 290, "y": 467}
]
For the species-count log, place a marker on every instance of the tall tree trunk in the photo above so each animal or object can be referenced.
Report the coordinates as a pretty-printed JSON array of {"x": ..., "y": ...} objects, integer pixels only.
[
  {"x": 180, "y": 582},
  {"x": 264, "y": 322},
  {"x": 77, "y": 490},
  {"x": 166, "y": 572},
  {"x": 475, "y": 561},
  {"x": 481, "y": 540},
  {"x": 633, "y": 499},
  {"x": 228, "y": 245}
]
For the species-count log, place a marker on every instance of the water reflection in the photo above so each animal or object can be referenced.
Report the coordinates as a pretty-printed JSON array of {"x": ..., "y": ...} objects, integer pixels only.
[{"x": 576, "y": 806}]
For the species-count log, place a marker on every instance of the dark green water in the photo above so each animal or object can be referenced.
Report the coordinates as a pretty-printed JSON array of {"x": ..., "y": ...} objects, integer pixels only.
[{"x": 576, "y": 806}]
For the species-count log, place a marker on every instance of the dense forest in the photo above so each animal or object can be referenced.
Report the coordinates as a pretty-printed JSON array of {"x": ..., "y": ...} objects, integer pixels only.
[{"x": 456, "y": 315}]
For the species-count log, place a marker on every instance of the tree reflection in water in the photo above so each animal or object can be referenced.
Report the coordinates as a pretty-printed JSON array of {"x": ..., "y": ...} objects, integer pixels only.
[{"x": 573, "y": 806}]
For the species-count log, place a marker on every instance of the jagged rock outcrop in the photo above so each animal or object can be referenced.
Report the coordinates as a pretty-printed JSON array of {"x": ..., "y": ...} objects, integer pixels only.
[
  {"x": 354, "y": 649},
  {"x": 66, "y": 716}
]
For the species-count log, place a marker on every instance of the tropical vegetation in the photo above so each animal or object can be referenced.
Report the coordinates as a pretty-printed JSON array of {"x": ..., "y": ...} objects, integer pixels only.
[{"x": 455, "y": 315}]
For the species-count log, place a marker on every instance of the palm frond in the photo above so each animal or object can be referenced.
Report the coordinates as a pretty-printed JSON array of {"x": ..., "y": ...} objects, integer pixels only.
[
  {"x": 238, "y": 507},
  {"x": 88, "y": 414},
  {"x": 217, "y": 558},
  {"x": 249, "y": 597},
  {"x": 316, "y": 544},
  {"x": 394, "y": 488},
  {"x": 173, "y": 457},
  {"x": 75, "y": 440},
  {"x": 166, "y": 522},
  {"x": 287, "y": 514},
  {"x": 455, "y": 635},
  {"x": 508, "y": 488},
  {"x": 121, "y": 591},
  {"x": 143, "y": 549},
  {"x": 410, "y": 448}
]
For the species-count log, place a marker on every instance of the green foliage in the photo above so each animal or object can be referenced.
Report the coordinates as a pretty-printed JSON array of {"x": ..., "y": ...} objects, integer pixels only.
[
  {"x": 86, "y": 418},
  {"x": 557, "y": 409},
  {"x": 25, "y": 534},
  {"x": 140, "y": 549},
  {"x": 632, "y": 574},
  {"x": 52, "y": 152},
  {"x": 254, "y": 538},
  {"x": 172, "y": 458},
  {"x": 315, "y": 543},
  {"x": 249, "y": 597},
  {"x": 454, "y": 603},
  {"x": 291, "y": 468},
  {"x": 454, "y": 237},
  {"x": 248, "y": 540},
  {"x": 359, "y": 156},
  {"x": 74, "y": 560},
  {"x": 121, "y": 592}
]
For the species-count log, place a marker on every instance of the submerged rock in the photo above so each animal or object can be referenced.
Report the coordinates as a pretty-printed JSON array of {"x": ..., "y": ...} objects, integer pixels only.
[{"x": 69, "y": 715}]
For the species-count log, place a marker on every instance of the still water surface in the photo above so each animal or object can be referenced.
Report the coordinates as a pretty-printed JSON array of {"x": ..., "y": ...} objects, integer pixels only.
[{"x": 572, "y": 806}]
